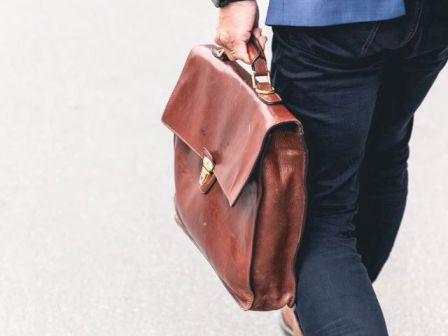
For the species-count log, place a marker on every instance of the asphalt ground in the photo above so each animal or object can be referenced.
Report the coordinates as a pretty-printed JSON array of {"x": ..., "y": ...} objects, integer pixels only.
[{"x": 88, "y": 245}]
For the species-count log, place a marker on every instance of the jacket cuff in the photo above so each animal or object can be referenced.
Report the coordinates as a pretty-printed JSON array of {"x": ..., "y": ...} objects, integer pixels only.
[{"x": 222, "y": 3}]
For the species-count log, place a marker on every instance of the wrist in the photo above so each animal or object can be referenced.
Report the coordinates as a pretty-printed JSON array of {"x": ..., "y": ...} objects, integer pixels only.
[{"x": 223, "y": 3}]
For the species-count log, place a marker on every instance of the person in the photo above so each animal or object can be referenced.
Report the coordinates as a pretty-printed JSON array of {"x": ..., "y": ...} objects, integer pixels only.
[{"x": 353, "y": 72}]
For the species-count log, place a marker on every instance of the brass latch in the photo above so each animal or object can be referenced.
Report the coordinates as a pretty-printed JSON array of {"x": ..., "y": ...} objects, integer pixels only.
[{"x": 207, "y": 170}]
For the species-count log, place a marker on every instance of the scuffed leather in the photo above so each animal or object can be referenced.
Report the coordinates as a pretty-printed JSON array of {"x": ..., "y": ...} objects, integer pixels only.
[
  {"x": 248, "y": 224},
  {"x": 194, "y": 113}
]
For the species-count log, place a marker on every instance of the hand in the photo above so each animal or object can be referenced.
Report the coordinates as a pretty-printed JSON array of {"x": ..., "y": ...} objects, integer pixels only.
[{"x": 236, "y": 23}]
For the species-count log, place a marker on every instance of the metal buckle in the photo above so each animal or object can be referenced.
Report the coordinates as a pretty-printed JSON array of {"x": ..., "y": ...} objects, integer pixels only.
[
  {"x": 256, "y": 83},
  {"x": 219, "y": 52}
]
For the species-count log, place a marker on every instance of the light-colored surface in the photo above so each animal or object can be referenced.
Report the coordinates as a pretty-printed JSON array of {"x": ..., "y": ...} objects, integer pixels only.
[{"x": 87, "y": 241}]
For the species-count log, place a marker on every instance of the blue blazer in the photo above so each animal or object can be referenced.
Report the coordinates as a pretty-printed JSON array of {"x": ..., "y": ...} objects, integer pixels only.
[{"x": 331, "y": 12}]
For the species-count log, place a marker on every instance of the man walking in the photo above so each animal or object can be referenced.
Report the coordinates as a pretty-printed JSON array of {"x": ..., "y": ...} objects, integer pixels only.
[{"x": 354, "y": 72}]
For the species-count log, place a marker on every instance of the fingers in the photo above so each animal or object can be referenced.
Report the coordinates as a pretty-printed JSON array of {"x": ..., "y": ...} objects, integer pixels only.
[
  {"x": 257, "y": 33},
  {"x": 236, "y": 21},
  {"x": 240, "y": 49},
  {"x": 237, "y": 45},
  {"x": 230, "y": 54}
]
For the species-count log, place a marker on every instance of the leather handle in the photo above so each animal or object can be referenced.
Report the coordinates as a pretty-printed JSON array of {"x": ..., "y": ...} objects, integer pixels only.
[
  {"x": 258, "y": 63},
  {"x": 256, "y": 55}
]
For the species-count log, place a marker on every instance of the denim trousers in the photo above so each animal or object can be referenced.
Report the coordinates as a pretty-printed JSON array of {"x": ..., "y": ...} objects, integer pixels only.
[{"x": 355, "y": 87}]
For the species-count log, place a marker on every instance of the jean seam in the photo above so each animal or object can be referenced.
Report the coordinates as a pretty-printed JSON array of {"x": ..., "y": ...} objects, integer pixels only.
[
  {"x": 414, "y": 29},
  {"x": 370, "y": 38}
]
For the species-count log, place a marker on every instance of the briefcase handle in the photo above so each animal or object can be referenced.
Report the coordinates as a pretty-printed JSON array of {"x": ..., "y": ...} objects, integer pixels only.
[{"x": 258, "y": 64}]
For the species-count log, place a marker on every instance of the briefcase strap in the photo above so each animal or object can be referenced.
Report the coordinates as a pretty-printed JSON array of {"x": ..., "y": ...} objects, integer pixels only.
[{"x": 258, "y": 64}]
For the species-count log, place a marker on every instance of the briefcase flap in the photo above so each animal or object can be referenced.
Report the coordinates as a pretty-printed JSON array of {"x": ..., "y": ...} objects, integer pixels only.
[{"x": 215, "y": 107}]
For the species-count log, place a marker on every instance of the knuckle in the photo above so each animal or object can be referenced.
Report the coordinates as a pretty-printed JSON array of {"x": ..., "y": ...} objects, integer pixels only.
[{"x": 244, "y": 36}]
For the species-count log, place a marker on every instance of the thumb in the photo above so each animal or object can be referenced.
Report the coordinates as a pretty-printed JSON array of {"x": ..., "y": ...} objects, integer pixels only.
[
  {"x": 262, "y": 40},
  {"x": 257, "y": 33}
]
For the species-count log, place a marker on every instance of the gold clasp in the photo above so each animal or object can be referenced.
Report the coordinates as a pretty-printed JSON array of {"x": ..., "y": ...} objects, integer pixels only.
[
  {"x": 207, "y": 170},
  {"x": 219, "y": 52},
  {"x": 256, "y": 84}
]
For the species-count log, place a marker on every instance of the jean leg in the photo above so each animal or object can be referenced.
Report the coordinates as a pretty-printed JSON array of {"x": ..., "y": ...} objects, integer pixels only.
[
  {"x": 384, "y": 174},
  {"x": 335, "y": 296},
  {"x": 335, "y": 101}
]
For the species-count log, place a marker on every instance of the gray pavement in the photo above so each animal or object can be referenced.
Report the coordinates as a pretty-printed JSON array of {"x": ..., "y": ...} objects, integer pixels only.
[{"x": 87, "y": 241}]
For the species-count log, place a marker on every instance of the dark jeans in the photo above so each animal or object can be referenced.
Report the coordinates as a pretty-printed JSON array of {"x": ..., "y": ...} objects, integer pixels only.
[{"x": 355, "y": 88}]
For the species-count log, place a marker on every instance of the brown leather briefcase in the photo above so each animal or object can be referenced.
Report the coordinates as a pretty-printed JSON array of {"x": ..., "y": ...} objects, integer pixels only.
[{"x": 240, "y": 163}]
